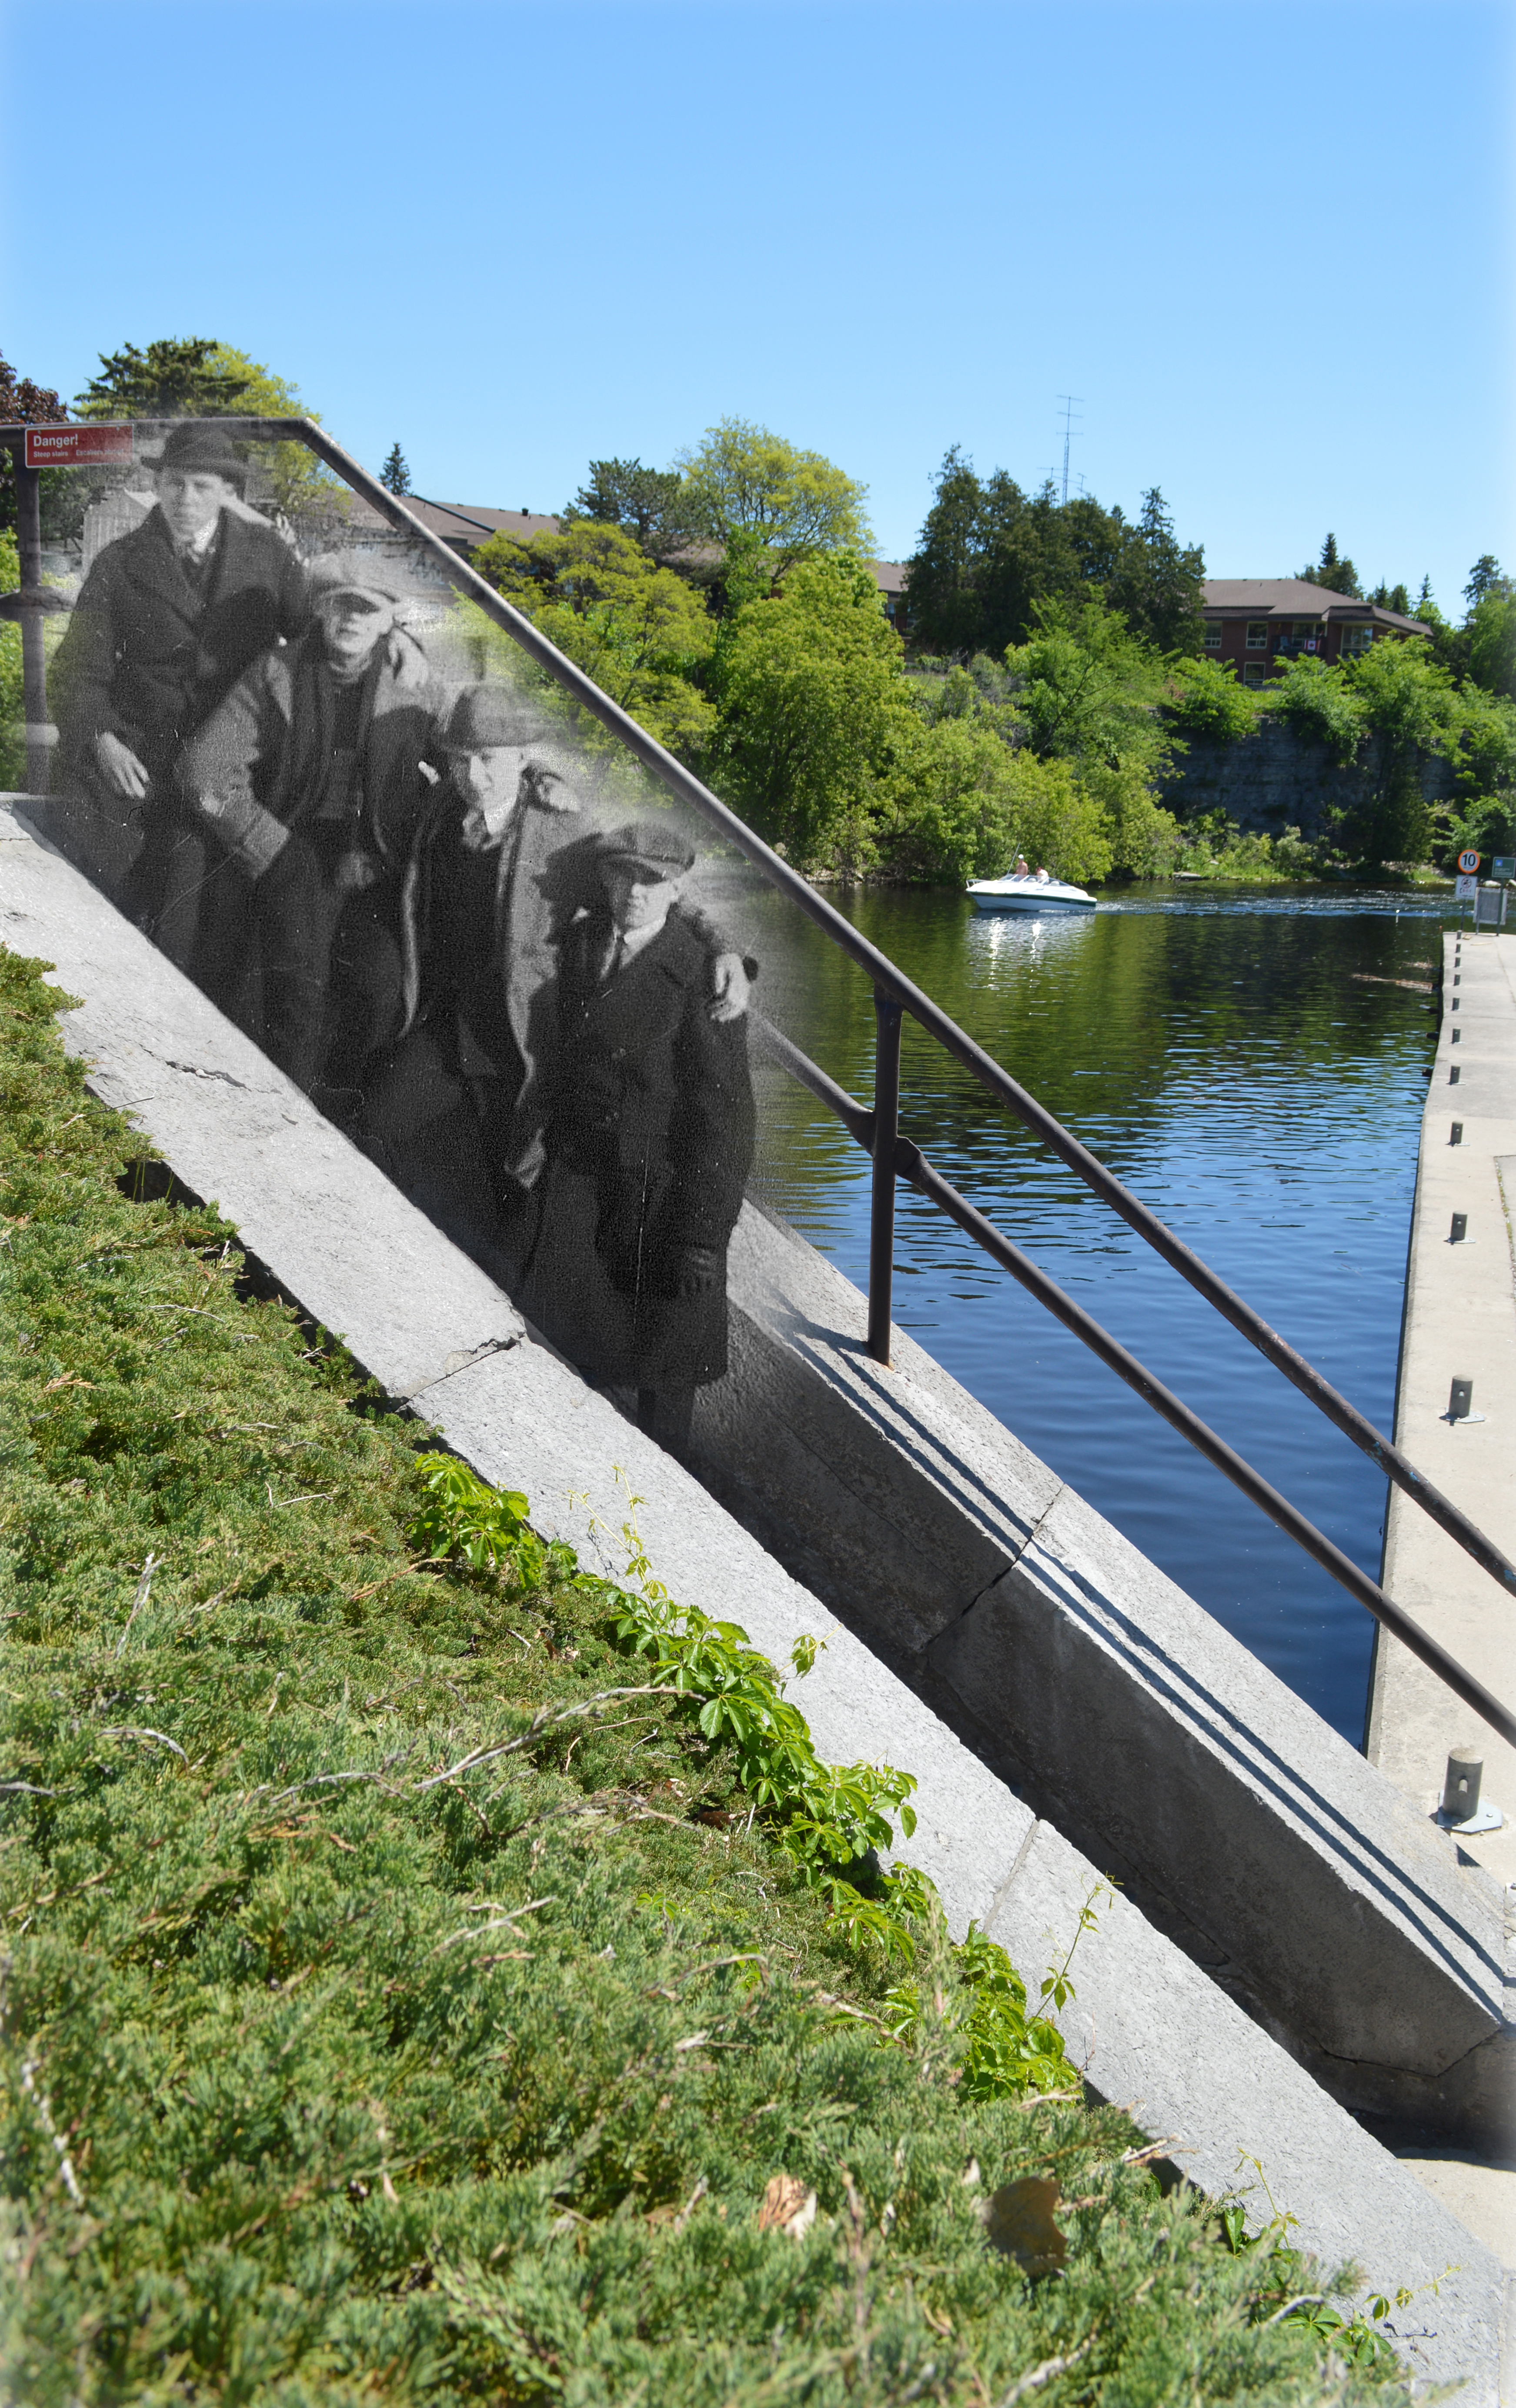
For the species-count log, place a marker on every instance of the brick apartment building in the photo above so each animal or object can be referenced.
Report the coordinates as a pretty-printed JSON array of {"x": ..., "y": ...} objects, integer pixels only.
[{"x": 1259, "y": 623}]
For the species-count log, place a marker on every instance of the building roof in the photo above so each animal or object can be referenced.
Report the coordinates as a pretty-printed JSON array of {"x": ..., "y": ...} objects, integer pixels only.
[
  {"x": 1293, "y": 597},
  {"x": 467, "y": 524},
  {"x": 464, "y": 523}
]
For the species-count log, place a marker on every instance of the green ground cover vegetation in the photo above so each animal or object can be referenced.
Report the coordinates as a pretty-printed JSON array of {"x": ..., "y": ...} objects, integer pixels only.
[
  {"x": 435, "y": 1972},
  {"x": 1052, "y": 684}
]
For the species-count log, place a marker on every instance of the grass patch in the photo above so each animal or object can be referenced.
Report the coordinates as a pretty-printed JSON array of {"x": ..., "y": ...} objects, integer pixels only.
[{"x": 337, "y": 2070}]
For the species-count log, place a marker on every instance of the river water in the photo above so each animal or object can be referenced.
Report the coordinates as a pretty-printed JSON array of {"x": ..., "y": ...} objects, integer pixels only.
[{"x": 1244, "y": 1061}]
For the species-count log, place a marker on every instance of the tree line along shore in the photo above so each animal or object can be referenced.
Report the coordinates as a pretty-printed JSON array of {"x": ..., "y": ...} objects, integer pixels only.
[{"x": 1049, "y": 687}]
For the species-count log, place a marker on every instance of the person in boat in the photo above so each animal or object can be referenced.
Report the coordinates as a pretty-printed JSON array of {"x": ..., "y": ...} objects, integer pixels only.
[
  {"x": 1022, "y": 869},
  {"x": 1044, "y": 877}
]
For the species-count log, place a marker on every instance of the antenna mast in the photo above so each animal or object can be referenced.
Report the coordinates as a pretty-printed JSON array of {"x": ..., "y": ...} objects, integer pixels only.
[{"x": 1069, "y": 402}]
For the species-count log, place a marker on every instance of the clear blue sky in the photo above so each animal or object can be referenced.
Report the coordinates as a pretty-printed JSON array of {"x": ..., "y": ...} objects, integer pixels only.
[{"x": 1269, "y": 242}]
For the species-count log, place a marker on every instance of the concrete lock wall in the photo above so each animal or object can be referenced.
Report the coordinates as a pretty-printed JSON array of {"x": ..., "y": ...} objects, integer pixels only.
[
  {"x": 920, "y": 1518},
  {"x": 1309, "y": 1889}
]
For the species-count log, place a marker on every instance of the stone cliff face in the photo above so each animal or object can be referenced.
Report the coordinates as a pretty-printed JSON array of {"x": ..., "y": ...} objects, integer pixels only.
[{"x": 1274, "y": 779}]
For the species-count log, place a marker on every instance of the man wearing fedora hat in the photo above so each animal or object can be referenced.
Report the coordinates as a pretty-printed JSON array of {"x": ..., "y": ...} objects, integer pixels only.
[
  {"x": 501, "y": 869},
  {"x": 169, "y": 617},
  {"x": 649, "y": 1138},
  {"x": 309, "y": 772}
]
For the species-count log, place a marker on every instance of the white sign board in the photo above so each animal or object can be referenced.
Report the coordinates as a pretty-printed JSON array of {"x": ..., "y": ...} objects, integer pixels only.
[{"x": 1465, "y": 889}]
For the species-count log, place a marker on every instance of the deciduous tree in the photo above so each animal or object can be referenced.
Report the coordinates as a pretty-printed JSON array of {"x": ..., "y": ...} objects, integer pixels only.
[
  {"x": 639, "y": 631},
  {"x": 744, "y": 482}
]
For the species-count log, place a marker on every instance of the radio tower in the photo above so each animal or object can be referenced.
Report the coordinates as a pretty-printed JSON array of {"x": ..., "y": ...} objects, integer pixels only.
[{"x": 1069, "y": 402}]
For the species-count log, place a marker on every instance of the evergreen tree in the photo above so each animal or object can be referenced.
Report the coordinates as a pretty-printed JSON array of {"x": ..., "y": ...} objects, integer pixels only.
[
  {"x": 653, "y": 506},
  {"x": 1337, "y": 575},
  {"x": 395, "y": 475},
  {"x": 173, "y": 379},
  {"x": 1486, "y": 577}
]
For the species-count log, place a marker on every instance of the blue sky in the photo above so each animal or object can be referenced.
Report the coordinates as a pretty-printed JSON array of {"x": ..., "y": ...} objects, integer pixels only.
[{"x": 1268, "y": 242}]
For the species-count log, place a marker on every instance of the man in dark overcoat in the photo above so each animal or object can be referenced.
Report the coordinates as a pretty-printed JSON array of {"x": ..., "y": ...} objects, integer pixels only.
[
  {"x": 311, "y": 772},
  {"x": 649, "y": 1139},
  {"x": 502, "y": 866},
  {"x": 168, "y": 618}
]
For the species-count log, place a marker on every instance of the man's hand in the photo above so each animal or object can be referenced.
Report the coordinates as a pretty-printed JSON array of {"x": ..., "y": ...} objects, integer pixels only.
[
  {"x": 731, "y": 986},
  {"x": 699, "y": 1273},
  {"x": 122, "y": 772},
  {"x": 355, "y": 873}
]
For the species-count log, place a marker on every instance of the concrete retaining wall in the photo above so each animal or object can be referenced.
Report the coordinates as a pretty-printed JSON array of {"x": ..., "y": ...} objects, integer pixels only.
[
  {"x": 1245, "y": 1828},
  {"x": 1155, "y": 2032}
]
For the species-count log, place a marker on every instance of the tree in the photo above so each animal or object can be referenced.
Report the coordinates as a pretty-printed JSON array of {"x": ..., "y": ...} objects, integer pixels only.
[
  {"x": 26, "y": 404},
  {"x": 1409, "y": 709},
  {"x": 1337, "y": 575},
  {"x": 394, "y": 475},
  {"x": 1314, "y": 697},
  {"x": 639, "y": 631},
  {"x": 180, "y": 377},
  {"x": 1155, "y": 584},
  {"x": 314, "y": 501},
  {"x": 990, "y": 553},
  {"x": 1205, "y": 699},
  {"x": 653, "y": 506},
  {"x": 1486, "y": 577},
  {"x": 744, "y": 482},
  {"x": 1392, "y": 597},
  {"x": 1490, "y": 632},
  {"x": 1087, "y": 692},
  {"x": 810, "y": 689}
]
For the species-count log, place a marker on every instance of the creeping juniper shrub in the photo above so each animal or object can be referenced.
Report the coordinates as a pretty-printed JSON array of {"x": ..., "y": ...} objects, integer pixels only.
[{"x": 418, "y": 1974}]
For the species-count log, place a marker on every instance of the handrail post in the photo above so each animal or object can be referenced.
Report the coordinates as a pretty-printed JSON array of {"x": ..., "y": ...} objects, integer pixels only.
[
  {"x": 33, "y": 670},
  {"x": 888, "y": 1015}
]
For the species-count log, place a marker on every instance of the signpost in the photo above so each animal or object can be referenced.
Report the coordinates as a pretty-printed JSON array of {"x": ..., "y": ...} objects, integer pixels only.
[{"x": 77, "y": 447}]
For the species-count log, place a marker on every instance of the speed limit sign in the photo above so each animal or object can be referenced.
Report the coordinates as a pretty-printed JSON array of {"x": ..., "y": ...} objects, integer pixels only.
[{"x": 1468, "y": 864}]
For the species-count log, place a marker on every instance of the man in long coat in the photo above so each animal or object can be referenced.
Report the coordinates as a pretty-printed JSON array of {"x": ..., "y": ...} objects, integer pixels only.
[
  {"x": 168, "y": 618},
  {"x": 311, "y": 772},
  {"x": 649, "y": 1139},
  {"x": 502, "y": 866}
]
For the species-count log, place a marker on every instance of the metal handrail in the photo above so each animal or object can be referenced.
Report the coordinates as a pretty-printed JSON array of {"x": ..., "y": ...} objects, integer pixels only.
[
  {"x": 910, "y": 1164},
  {"x": 892, "y": 984}
]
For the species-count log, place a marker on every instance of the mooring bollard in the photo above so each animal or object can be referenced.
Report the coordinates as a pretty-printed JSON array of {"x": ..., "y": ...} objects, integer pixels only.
[
  {"x": 1457, "y": 1137},
  {"x": 1461, "y": 1785},
  {"x": 1460, "y": 1229},
  {"x": 1460, "y": 1402},
  {"x": 1452, "y": 1076}
]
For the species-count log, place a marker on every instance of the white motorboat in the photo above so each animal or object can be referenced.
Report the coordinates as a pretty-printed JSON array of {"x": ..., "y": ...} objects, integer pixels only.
[{"x": 1036, "y": 897}]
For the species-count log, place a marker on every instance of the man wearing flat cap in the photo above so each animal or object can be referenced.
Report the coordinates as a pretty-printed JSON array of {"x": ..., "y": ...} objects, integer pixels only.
[
  {"x": 309, "y": 772},
  {"x": 649, "y": 1138},
  {"x": 501, "y": 869},
  {"x": 168, "y": 618}
]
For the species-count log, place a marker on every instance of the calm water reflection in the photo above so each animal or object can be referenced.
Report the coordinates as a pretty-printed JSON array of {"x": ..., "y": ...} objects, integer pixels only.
[{"x": 1241, "y": 1062}]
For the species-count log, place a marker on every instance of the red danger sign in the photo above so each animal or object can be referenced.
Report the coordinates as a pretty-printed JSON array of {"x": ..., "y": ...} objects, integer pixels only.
[
  {"x": 1468, "y": 863},
  {"x": 77, "y": 447}
]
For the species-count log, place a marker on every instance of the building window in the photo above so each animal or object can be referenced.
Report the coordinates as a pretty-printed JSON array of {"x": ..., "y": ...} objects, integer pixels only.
[
  {"x": 1258, "y": 635},
  {"x": 1357, "y": 638},
  {"x": 1213, "y": 635},
  {"x": 1254, "y": 675}
]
